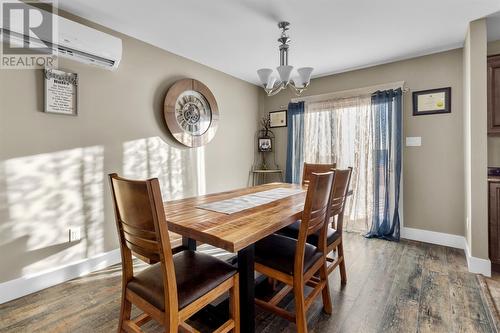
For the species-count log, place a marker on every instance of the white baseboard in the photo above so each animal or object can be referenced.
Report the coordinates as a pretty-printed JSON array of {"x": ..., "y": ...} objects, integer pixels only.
[
  {"x": 29, "y": 284},
  {"x": 433, "y": 237},
  {"x": 475, "y": 265}
]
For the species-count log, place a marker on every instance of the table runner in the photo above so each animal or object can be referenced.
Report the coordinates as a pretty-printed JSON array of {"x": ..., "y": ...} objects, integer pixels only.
[{"x": 237, "y": 204}]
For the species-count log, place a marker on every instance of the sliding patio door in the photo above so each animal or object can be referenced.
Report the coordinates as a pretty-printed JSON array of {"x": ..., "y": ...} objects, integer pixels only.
[
  {"x": 340, "y": 131},
  {"x": 363, "y": 132}
]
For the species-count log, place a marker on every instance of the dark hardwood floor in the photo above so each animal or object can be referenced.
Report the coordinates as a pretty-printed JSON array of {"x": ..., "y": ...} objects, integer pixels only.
[
  {"x": 490, "y": 288},
  {"x": 392, "y": 287}
]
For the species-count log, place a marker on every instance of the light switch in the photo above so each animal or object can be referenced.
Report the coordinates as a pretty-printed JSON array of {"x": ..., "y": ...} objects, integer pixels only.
[{"x": 413, "y": 141}]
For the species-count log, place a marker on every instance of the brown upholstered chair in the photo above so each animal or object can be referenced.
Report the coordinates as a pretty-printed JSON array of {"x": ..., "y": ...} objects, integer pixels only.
[
  {"x": 340, "y": 189},
  {"x": 295, "y": 262},
  {"x": 309, "y": 168},
  {"x": 176, "y": 286}
]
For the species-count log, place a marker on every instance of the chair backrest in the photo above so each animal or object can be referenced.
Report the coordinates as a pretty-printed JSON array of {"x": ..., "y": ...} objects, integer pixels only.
[
  {"x": 309, "y": 168},
  {"x": 315, "y": 215},
  {"x": 142, "y": 229},
  {"x": 341, "y": 181}
]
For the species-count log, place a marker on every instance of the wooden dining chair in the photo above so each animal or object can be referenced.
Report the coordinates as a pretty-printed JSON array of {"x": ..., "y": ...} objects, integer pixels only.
[
  {"x": 295, "y": 262},
  {"x": 341, "y": 181},
  {"x": 173, "y": 287},
  {"x": 309, "y": 168}
]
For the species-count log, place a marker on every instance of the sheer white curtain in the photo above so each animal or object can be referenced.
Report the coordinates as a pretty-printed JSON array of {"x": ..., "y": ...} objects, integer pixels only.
[{"x": 339, "y": 131}]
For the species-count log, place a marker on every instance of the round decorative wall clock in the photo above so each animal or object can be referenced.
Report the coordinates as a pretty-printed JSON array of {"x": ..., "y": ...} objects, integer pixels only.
[{"x": 191, "y": 112}]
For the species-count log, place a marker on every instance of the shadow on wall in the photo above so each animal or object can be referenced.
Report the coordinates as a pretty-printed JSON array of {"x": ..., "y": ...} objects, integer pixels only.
[
  {"x": 181, "y": 172},
  {"x": 41, "y": 197}
]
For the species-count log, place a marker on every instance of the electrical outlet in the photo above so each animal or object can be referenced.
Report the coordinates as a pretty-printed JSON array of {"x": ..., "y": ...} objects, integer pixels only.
[{"x": 75, "y": 234}]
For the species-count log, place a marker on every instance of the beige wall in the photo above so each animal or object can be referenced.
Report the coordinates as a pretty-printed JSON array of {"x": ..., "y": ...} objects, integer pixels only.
[
  {"x": 432, "y": 173},
  {"x": 494, "y": 47},
  {"x": 53, "y": 169},
  {"x": 476, "y": 143},
  {"x": 494, "y": 151},
  {"x": 494, "y": 141}
]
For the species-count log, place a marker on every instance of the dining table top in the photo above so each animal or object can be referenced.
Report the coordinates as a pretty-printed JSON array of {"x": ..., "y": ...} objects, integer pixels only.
[{"x": 234, "y": 232}]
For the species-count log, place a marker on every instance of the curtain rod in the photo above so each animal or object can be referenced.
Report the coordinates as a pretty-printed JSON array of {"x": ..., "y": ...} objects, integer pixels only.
[{"x": 351, "y": 92}]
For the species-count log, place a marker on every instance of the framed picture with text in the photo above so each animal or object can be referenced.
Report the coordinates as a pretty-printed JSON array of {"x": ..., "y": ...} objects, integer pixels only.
[
  {"x": 60, "y": 92},
  {"x": 432, "y": 101},
  {"x": 277, "y": 118}
]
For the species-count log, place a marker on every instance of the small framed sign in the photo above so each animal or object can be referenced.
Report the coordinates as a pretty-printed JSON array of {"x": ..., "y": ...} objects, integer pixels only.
[
  {"x": 61, "y": 92},
  {"x": 432, "y": 101},
  {"x": 265, "y": 144},
  {"x": 278, "y": 118}
]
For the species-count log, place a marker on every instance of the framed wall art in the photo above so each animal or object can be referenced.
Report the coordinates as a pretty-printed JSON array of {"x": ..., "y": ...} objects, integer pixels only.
[
  {"x": 60, "y": 92},
  {"x": 433, "y": 101},
  {"x": 264, "y": 144},
  {"x": 278, "y": 118}
]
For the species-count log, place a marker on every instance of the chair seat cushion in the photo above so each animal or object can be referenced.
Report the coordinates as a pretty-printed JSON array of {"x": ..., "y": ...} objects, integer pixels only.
[
  {"x": 278, "y": 252},
  {"x": 196, "y": 274},
  {"x": 293, "y": 231}
]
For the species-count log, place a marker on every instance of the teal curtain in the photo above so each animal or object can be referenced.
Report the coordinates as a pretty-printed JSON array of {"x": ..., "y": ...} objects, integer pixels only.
[
  {"x": 295, "y": 146},
  {"x": 387, "y": 115}
]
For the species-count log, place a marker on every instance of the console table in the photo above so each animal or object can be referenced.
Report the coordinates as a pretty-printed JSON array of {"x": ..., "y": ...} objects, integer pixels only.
[{"x": 262, "y": 173}]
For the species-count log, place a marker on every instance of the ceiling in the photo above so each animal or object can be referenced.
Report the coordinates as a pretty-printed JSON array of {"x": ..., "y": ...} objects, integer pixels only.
[{"x": 239, "y": 36}]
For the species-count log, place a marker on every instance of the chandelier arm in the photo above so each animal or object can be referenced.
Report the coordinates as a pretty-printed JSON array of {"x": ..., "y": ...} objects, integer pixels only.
[
  {"x": 295, "y": 90},
  {"x": 298, "y": 91},
  {"x": 275, "y": 90}
]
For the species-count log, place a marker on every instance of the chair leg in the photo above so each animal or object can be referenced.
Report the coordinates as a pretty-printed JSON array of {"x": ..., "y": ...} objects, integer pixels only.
[
  {"x": 234, "y": 307},
  {"x": 340, "y": 254},
  {"x": 300, "y": 307},
  {"x": 125, "y": 312},
  {"x": 325, "y": 293}
]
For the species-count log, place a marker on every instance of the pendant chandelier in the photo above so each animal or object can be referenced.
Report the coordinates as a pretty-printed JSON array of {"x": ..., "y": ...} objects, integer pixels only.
[{"x": 273, "y": 83}]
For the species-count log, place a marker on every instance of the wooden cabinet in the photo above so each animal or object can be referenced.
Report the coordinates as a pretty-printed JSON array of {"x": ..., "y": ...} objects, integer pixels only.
[
  {"x": 494, "y": 95},
  {"x": 494, "y": 224}
]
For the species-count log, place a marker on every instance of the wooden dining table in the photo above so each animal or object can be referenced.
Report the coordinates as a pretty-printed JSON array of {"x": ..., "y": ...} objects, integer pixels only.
[{"x": 237, "y": 232}]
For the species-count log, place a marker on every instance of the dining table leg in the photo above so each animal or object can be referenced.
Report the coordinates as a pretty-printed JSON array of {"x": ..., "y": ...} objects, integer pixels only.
[
  {"x": 189, "y": 243},
  {"x": 246, "y": 265}
]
